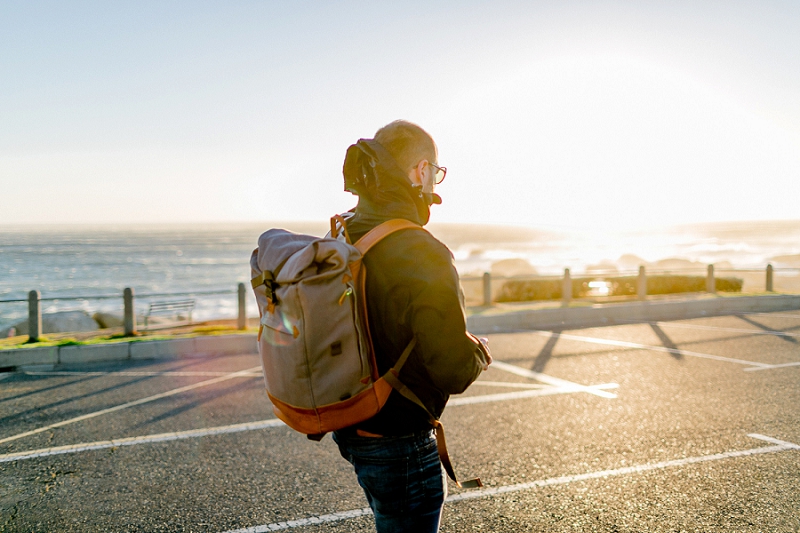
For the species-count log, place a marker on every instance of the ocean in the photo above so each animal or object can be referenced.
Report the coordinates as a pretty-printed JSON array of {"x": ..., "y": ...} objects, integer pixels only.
[{"x": 93, "y": 261}]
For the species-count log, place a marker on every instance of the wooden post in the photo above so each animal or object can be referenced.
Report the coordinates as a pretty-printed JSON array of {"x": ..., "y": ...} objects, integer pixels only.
[
  {"x": 130, "y": 315},
  {"x": 487, "y": 289},
  {"x": 241, "y": 323},
  {"x": 711, "y": 286},
  {"x": 769, "y": 278},
  {"x": 641, "y": 284},
  {"x": 566, "y": 289},
  {"x": 34, "y": 316}
]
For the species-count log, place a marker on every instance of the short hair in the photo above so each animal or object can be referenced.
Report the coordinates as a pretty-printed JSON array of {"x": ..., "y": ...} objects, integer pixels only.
[{"x": 407, "y": 143}]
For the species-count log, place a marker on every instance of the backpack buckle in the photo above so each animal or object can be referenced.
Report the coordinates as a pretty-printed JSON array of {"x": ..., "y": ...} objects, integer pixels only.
[{"x": 267, "y": 278}]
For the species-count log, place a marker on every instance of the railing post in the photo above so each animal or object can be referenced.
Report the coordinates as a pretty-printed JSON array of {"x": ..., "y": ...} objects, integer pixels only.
[
  {"x": 34, "y": 316},
  {"x": 241, "y": 323},
  {"x": 129, "y": 316},
  {"x": 566, "y": 289},
  {"x": 641, "y": 284},
  {"x": 769, "y": 278},
  {"x": 711, "y": 286},
  {"x": 487, "y": 289}
]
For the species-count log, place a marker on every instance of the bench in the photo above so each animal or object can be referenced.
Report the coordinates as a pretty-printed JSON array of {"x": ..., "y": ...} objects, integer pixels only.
[{"x": 175, "y": 308}]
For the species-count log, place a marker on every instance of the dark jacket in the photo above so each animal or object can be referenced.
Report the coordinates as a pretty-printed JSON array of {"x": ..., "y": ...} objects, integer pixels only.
[{"x": 412, "y": 290}]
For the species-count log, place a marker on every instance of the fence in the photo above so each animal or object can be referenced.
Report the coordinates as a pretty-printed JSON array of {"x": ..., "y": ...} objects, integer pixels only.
[
  {"x": 129, "y": 299},
  {"x": 479, "y": 290},
  {"x": 486, "y": 290}
]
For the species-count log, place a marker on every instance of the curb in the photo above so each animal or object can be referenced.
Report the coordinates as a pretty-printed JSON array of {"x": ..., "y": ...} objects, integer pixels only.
[
  {"x": 608, "y": 314},
  {"x": 125, "y": 351}
]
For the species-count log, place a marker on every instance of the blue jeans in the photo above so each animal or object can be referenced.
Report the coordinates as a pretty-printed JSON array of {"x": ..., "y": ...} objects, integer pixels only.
[{"x": 402, "y": 478}]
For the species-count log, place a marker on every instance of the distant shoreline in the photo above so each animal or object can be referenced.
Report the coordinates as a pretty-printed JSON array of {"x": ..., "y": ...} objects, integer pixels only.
[{"x": 323, "y": 221}]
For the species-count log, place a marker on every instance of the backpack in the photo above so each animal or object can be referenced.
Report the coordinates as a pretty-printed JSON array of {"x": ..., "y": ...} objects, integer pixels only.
[{"x": 316, "y": 351}]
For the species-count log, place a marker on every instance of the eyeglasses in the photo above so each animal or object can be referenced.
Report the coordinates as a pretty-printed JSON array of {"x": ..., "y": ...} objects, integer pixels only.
[{"x": 441, "y": 172}]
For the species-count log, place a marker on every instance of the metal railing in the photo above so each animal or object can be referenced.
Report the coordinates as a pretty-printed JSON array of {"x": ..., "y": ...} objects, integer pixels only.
[
  {"x": 483, "y": 291},
  {"x": 480, "y": 290},
  {"x": 129, "y": 298}
]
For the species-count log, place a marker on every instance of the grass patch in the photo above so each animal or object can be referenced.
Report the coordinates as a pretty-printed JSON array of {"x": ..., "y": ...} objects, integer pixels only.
[
  {"x": 21, "y": 341},
  {"x": 551, "y": 289}
]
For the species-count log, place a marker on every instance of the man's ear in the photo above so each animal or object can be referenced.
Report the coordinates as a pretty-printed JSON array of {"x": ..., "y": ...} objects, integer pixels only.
[{"x": 416, "y": 173}]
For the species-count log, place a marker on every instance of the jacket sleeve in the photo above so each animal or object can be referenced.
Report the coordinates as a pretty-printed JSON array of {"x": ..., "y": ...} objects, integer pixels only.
[{"x": 452, "y": 357}]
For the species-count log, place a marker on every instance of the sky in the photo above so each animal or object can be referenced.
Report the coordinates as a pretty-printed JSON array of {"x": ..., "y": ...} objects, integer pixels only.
[{"x": 547, "y": 114}]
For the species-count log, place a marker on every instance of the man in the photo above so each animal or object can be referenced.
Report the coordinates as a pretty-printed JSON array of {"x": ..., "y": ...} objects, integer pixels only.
[{"x": 412, "y": 291}]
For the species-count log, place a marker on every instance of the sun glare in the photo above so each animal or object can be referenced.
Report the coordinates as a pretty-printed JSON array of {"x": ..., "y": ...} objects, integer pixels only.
[{"x": 613, "y": 142}]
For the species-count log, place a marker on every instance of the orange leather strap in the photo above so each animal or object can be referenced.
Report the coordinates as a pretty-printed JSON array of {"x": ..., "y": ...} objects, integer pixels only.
[
  {"x": 377, "y": 233},
  {"x": 364, "y": 244}
]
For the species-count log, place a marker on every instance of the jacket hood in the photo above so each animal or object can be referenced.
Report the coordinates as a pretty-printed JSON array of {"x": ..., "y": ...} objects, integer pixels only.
[{"x": 383, "y": 189}]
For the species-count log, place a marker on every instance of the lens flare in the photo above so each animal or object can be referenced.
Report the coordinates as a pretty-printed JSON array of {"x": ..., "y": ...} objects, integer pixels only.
[{"x": 279, "y": 335}]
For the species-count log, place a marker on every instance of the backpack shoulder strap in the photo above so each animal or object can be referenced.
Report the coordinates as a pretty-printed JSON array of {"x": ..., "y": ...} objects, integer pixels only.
[
  {"x": 392, "y": 376},
  {"x": 358, "y": 269},
  {"x": 376, "y": 234}
]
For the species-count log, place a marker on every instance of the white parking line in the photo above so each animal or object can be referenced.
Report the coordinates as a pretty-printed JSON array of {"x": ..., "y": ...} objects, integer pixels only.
[
  {"x": 768, "y": 367},
  {"x": 550, "y": 380},
  {"x": 131, "y": 441},
  {"x": 752, "y": 331},
  {"x": 675, "y": 351},
  {"x": 548, "y": 391},
  {"x": 779, "y": 446},
  {"x": 538, "y": 390},
  {"x": 508, "y": 384},
  {"x": 774, "y": 314},
  {"x": 311, "y": 521},
  {"x": 130, "y": 404},
  {"x": 198, "y": 373}
]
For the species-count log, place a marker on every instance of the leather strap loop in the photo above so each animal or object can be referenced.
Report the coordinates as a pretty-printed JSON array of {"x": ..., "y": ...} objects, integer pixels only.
[
  {"x": 444, "y": 457},
  {"x": 337, "y": 221}
]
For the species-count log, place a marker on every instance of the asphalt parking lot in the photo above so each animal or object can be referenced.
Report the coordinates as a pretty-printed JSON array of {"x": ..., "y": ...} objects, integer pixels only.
[{"x": 689, "y": 425}]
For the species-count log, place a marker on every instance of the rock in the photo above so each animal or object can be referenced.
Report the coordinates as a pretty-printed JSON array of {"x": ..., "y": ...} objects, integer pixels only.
[
  {"x": 786, "y": 261},
  {"x": 60, "y": 322},
  {"x": 512, "y": 267},
  {"x": 603, "y": 267},
  {"x": 107, "y": 320},
  {"x": 677, "y": 263},
  {"x": 21, "y": 328},
  {"x": 630, "y": 262}
]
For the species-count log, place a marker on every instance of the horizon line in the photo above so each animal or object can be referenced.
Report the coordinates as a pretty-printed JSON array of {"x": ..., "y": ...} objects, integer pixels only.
[{"x": 543, "y": 226}]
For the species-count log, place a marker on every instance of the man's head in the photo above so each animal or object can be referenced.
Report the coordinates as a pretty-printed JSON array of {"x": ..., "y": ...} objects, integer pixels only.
[{"x": 414, "y": 151}]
